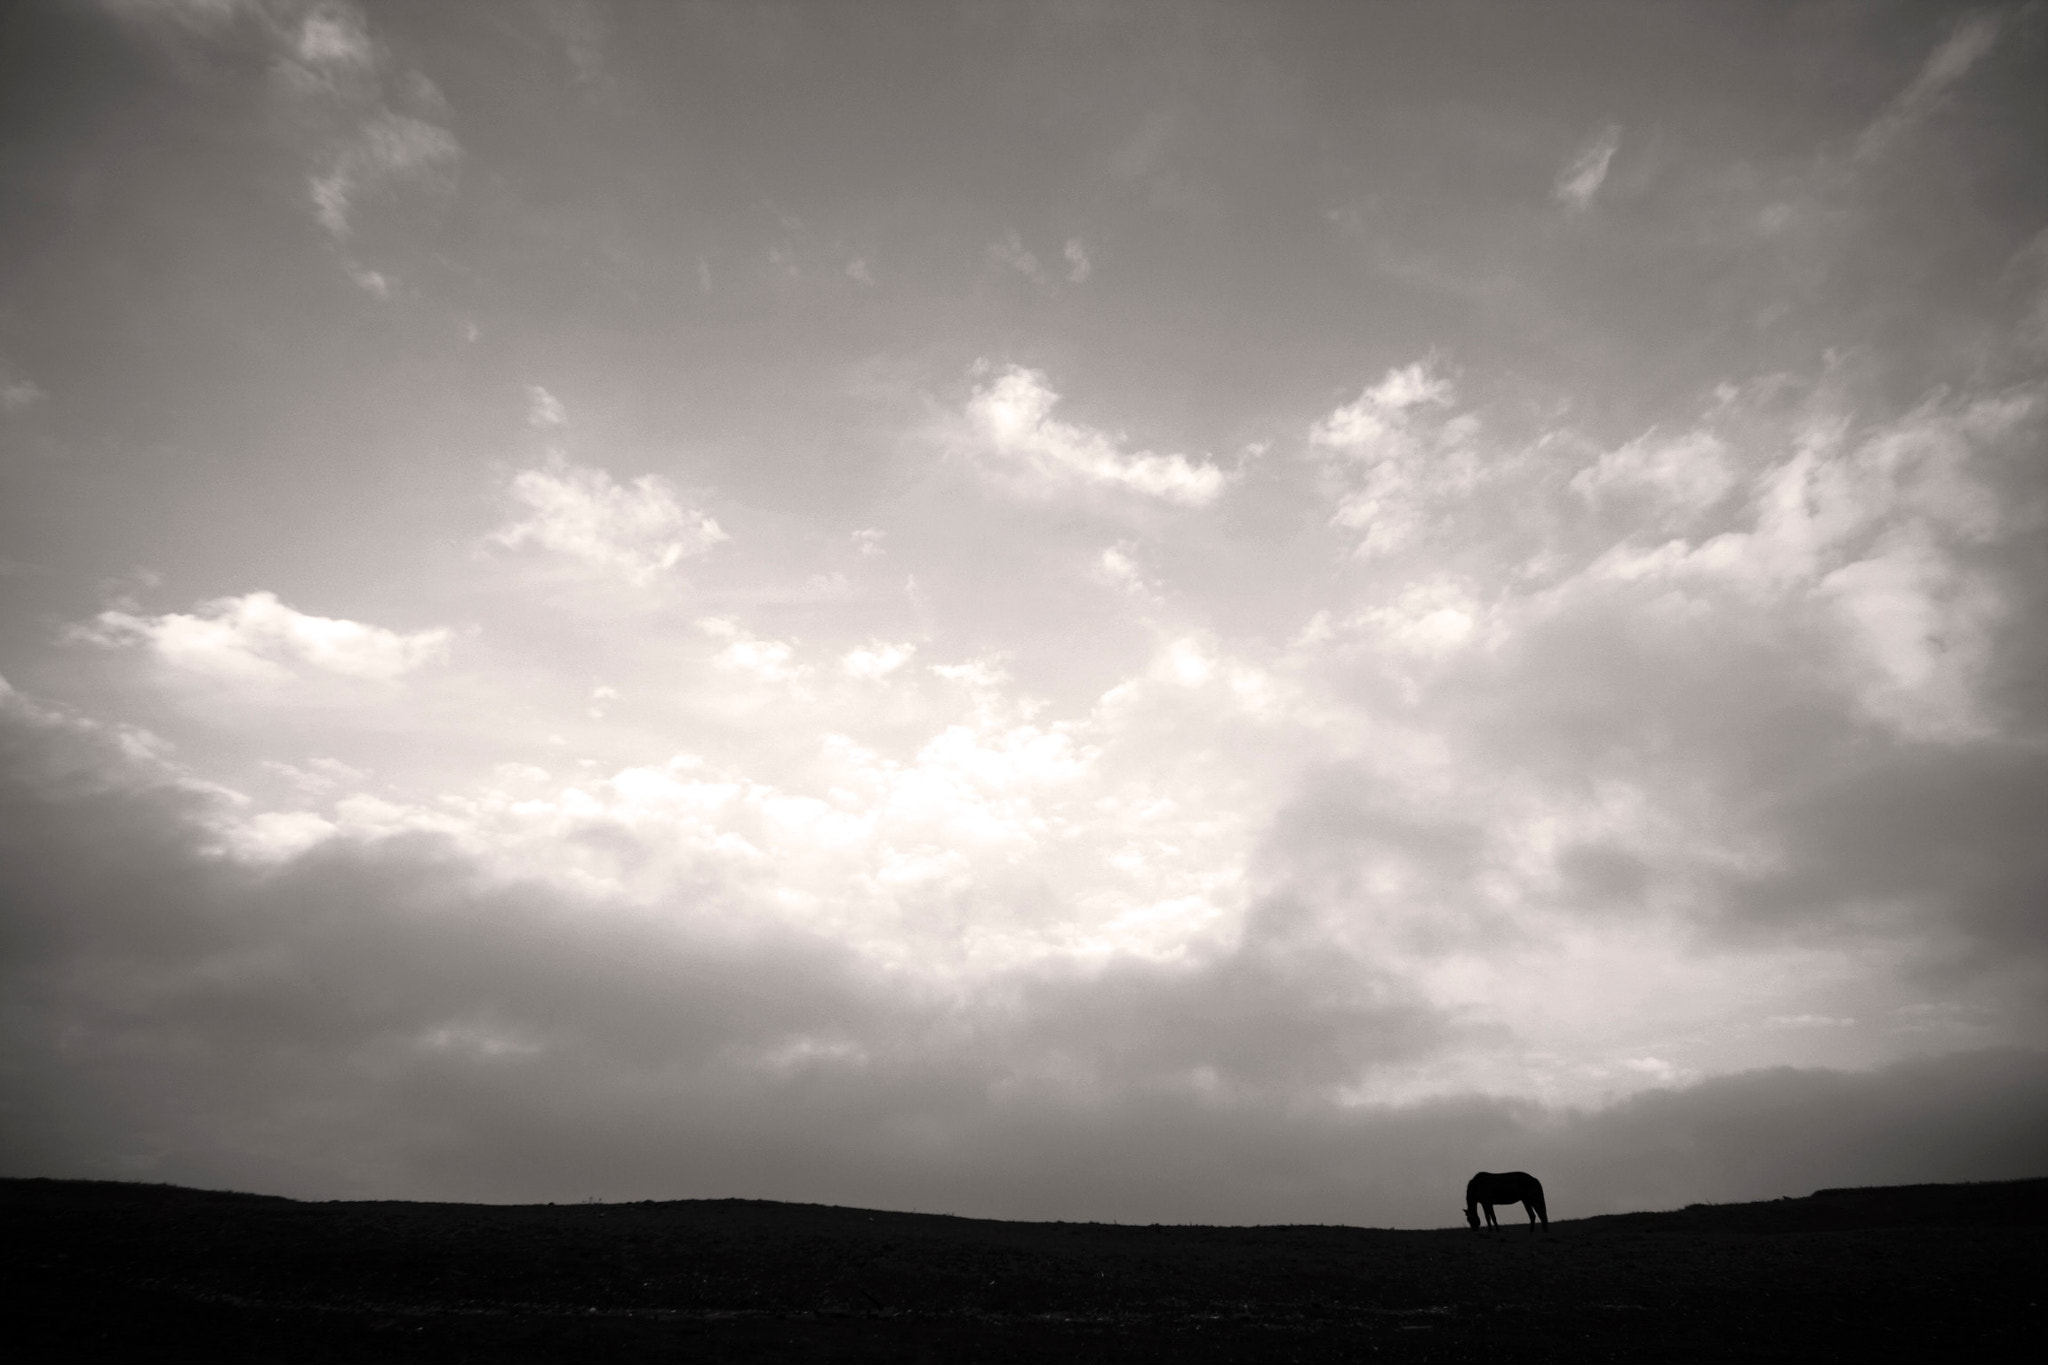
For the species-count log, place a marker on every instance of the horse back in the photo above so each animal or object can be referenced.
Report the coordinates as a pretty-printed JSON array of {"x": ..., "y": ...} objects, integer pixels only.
[{"x": 1505, "y": 1187}]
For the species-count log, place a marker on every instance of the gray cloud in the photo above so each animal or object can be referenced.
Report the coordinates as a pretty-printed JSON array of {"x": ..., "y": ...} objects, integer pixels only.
[
  {"x": 1583, "y": 176},
  {"x": 378, "y": 1019}
]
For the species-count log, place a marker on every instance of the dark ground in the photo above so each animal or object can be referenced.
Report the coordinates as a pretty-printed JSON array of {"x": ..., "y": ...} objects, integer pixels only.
[{"x": 103, "y": 1271}]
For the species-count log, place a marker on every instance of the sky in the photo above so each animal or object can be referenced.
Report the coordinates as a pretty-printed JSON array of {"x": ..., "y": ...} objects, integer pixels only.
[{"x": 1163, "y": 612}]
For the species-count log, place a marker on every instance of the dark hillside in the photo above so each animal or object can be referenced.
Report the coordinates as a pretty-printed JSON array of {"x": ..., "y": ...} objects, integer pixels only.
[{"x": 106, "y": 1271}]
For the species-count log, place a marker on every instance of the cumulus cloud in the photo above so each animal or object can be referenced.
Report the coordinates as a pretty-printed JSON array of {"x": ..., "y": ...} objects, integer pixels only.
[
  {"x": 637, "y": 531},
  {"x": 1878, "y": 524},
  {"x": 255, "y": 638},
  {"x": 1010, "y": 414},
  {"x": 1586, "y": 172},
  {"x": 1969, "y": 42}
]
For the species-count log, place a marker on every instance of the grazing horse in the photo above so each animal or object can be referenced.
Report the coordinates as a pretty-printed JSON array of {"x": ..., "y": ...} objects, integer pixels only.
[{"x": 1513, "y": 1187}]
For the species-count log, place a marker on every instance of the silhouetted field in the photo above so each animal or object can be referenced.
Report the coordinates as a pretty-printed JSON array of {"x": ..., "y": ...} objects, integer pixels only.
[{"x": 99, "y": 1270}]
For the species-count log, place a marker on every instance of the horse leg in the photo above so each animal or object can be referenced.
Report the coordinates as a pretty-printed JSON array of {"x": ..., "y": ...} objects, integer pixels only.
[{"x": 1491, "y": 1221}]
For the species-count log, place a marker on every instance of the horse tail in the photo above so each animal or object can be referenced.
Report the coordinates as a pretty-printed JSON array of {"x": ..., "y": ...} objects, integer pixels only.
[{"x": 1536, "y": 1200}]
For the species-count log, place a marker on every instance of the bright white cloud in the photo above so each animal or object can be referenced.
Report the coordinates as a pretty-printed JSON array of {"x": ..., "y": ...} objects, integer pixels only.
[
  {"x": 763, "y": 660},
  {"x": 637, "y": 531},
  {"x": 255, "y": 638},
  {"x": 1583, "y": 176},
  {"x": 1878, "y": 525},
  {"x": 877, "y": 660},
  {"x": 1381, "y": 410},
  {"x": 1011, "y": 414}
]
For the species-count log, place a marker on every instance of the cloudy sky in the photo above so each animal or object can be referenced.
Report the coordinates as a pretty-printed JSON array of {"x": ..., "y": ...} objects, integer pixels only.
[{"x": 1146, "y": 611}]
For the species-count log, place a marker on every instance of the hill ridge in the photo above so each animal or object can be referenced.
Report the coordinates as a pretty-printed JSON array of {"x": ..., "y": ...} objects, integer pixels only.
[{"x": 2022, "y": 1201}]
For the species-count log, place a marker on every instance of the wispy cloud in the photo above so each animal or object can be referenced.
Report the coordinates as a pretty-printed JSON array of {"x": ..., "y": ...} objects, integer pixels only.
[
  {"x": 18, "y": 392},
  {"x": 386, "y": 148},
  {"x": 583, "y": 29},
  {"x": 1586, "y": 172},
  {"x": 1011, "y": 414},
  {"x": 367, "y": 125},
  {"x": 1008, "y": 252},
  {"x": 544, "y": 411},
  {"x": 1079, "y": 265},
  {"x": 341, "y": 86},
  {"x": 1968, "y": 43}
]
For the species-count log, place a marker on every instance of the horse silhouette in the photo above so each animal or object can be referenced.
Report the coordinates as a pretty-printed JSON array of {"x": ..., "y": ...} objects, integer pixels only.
[{"x": 1511, "y": 1187}]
